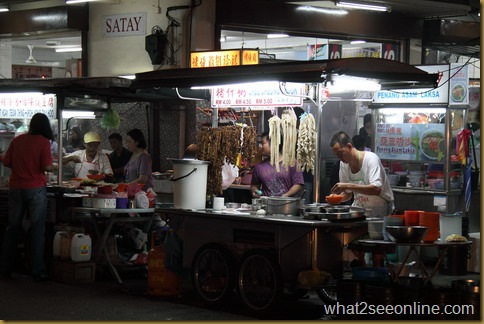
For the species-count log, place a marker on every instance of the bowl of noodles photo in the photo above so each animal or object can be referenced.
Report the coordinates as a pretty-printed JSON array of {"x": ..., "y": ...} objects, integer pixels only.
[
  {"x": 458, "y": 93},
  {"x": 432, "y": 144}
]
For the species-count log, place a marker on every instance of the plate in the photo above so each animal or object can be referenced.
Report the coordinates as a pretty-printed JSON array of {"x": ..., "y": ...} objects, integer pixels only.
[
  {"x": 458, "y": 92},
  {"x": 431, "y": 143}
]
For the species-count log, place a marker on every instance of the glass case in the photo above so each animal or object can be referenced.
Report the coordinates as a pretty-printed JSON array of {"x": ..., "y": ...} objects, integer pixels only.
[{"x": 420, "y": 146}]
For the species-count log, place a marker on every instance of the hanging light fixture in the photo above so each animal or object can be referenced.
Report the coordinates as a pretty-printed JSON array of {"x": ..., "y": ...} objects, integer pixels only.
[
  {"x": 4, "y": 8},
  {"x": 363, "y": 6}
]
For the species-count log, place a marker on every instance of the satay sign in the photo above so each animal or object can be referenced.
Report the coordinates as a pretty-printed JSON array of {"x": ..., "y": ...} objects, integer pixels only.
[{"x": 128, "y": 24}]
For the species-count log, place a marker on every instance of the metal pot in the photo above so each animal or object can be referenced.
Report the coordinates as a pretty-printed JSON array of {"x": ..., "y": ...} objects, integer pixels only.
[{"x": 283, "y": 205}]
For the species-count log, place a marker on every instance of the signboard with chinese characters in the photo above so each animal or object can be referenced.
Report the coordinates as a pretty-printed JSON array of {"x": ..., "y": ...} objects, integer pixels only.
[
  {"x": 25, "y": 105},
  {"x": 459, "y": 85},
  {"x": 439, "y": 95},
  {"x": 128, "y": 24},
  {"x": 410, "y": 142},
  {"x": 224, "y": 58},
  {"x": 258, "y": 95}
]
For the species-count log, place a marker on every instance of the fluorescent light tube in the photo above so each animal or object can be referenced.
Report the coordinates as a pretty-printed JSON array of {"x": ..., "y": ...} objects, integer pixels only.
[
  {"x": 328, "y": 11},
  {"x": 68, "y": 49},
  {"x": 277, "y": 35},
  {"x": 362, "y": 6},
  {"x": 80, "y": 114},
  {"x": 78, "y": 1}
]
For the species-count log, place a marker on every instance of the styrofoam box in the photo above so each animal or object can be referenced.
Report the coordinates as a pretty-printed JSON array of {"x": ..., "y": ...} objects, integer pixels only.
[
  {"x": 104, "y": 202},
  {"x": 474, "y": 264}
]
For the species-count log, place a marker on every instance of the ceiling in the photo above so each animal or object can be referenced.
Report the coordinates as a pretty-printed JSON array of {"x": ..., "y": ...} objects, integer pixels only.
[{"x": 461, "y": 10}]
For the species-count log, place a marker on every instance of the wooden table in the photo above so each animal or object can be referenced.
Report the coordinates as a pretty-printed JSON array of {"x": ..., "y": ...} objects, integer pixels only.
[{"x": 114, "y": 215}]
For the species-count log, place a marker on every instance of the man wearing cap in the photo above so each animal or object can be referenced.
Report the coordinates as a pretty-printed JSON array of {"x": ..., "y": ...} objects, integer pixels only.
[{"x": 91, "y": 160}]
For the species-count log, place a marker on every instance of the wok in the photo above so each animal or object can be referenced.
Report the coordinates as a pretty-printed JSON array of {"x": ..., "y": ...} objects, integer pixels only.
[{"x": 350, "y": 216}]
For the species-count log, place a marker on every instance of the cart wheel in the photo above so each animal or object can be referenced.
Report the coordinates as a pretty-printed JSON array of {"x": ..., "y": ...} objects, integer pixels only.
[
  {"x": 327, "y": 294},
  {"x": 213, "y": 273},
  {"x": 260, "y": 280}
]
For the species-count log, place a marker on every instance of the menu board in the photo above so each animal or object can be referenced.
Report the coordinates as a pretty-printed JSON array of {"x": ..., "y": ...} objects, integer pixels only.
[{"x": 410, "y": 142}]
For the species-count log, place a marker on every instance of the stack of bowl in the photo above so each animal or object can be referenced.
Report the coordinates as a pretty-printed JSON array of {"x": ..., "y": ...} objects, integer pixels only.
[
  {"x": 415, "y": 178},
  {"x": 393, "y": 179},
  {"x": 431, "y": 221}
]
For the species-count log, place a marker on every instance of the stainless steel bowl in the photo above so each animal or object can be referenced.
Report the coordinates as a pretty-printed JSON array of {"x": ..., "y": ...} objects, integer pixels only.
[
  {"x": 283, "y": 205},
  {"x": 406, "y": 234}
]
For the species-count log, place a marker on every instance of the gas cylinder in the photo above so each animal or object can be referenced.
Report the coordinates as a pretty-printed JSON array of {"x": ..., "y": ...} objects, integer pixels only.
[{"x": 161, "y": 281}]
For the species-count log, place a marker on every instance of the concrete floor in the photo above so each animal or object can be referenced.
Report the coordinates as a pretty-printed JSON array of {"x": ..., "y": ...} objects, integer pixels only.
[{"x": 24, "y": 300}]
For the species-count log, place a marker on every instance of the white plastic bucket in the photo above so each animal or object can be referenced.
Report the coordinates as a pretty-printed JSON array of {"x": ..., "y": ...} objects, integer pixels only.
[
  {"x": 81, "y": 248},
  {"x": 450, "y": 224},
  {"x": 189, "y": 183}
]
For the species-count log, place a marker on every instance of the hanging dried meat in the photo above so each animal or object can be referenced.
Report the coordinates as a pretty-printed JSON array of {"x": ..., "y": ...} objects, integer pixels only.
[{"x": 218, "y": 145}]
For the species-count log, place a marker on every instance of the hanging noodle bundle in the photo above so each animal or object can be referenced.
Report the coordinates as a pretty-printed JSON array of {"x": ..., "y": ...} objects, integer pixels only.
[
  {"x": 275, "y": 137},
  {"x": 289, "y": 129},
  {"x": 306, "y": 143}
]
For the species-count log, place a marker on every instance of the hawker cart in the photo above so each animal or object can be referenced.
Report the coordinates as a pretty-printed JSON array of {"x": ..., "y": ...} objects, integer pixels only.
[{"x": 260, "y": 257}]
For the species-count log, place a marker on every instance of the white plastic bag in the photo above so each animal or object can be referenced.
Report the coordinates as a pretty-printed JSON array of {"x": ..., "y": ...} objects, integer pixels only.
[
  {"x": 141, "y": 200},
  {"x": 229, "y": 173}
]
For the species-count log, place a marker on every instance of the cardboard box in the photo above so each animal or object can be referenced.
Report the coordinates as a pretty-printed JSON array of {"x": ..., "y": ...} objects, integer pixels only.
[{"x": 72, "y": 272}]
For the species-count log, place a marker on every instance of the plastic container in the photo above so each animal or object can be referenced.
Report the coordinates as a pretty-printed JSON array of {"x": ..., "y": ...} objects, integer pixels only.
[
  {"x": 450, "y": 224},
  {"x": 189, "y": 183},
  {"x": 81, "y": 248},
  {"x": 122, "y": 202},
  {"x": 56, "y": 246},
  {"x": 411, "y": 217}
]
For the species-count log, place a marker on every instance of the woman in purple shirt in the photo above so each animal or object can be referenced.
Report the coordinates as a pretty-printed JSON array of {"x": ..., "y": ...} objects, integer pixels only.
[
  {"x": 139, "y": 167},
  {"x": 286, "y": 183}
]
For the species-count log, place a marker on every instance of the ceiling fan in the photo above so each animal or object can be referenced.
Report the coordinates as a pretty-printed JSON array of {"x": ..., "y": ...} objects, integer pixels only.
[{"x": 31, "y": 59}]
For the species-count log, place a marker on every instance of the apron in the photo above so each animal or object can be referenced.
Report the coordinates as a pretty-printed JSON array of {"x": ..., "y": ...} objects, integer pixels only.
[
  {"x": 82, "y": 169},
  {"x": 375, "y": 206}
]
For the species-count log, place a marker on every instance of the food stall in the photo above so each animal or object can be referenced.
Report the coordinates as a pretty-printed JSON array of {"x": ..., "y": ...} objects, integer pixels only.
[
  {"x": 275, "y": 240},
  {"x": 416, "y": 135},
  {"x": 266, "y": 254}
]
